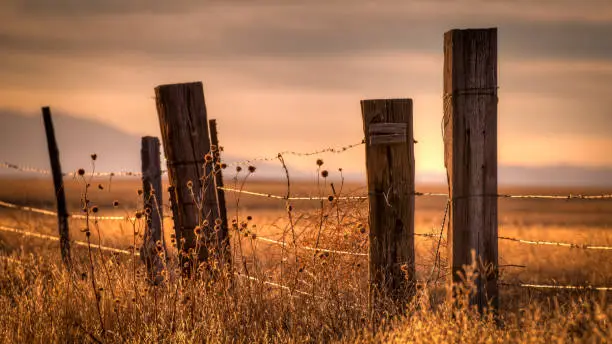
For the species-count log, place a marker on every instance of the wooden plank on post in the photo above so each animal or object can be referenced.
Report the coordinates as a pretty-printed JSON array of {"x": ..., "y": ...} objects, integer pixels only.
[
  {"x": 222, "y": 232},
  {"x": 184, "y": 127},
  {"x": 470, "y": 156},
  {"x": 387, "y": 126},
  {"x": 58, "y": 182},
  {"x": 153, "y": 249}
]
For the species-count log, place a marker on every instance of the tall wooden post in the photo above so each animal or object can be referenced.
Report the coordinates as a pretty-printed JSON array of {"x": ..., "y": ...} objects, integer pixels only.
[
  {"x": 153, "y": 243},
  {"x": 184, "y": 128},
  {"x": 222, "y": 230},
  {"x": 470, "y": 156},
  {"x": 58, "y": 182},
  {"x": 387, "y": 125}
]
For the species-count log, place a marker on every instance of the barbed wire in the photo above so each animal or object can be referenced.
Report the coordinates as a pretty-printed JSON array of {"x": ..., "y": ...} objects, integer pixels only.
[
  {"x": 553, "y": 286},
  {"x": 308, "y": 248},
  {"x": 300, "y": 198},
  {"x": 435, "y": 194},
  {"x": 554, "y": 243},
  {"x": 74, "y": 216},
  {"x": 22, "y": 168},
  {"x": 55, "y": 238},
  {"x": 300, "y": 154}
]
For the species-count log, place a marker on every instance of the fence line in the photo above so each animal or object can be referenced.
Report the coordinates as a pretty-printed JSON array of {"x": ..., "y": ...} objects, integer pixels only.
[
  {"x": 22, "y": 168},
  {"x": 136, "y": 253},
  {"x": 55, "y": 238},
  {"x": 416, "y": 193},
  {"x": 132, "y": 218}
]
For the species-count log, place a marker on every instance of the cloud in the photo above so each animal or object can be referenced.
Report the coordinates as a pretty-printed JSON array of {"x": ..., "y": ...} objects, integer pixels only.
[{"x": 193, "y": 30}]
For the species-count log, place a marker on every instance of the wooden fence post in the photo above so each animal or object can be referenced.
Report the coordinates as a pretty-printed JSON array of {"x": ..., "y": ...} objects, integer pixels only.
[
  {"x": 58, "y": 182},
  {"x": 470, "y": 156},
  {"x": 153, "y": 243},
  {"x": 387, "y": 125},
  {"x": 222, "y": 232},
  {"x": 184, "y": 128}
]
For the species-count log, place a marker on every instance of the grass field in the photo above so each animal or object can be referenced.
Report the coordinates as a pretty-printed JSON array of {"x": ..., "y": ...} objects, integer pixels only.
[{"x": 326, "y": 296}]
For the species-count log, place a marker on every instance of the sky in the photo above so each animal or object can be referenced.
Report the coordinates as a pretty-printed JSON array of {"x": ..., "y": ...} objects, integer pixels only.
[{"x": 288, "y": 75}]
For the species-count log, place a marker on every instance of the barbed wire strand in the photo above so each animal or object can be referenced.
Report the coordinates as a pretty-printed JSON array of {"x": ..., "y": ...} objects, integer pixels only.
[
  {"x": 313, "y": 198},
  {"x": 22, "y": 168},
  {"x": 554, "y": 243},
  {"x": 300, "y": 154},
  {"x": 74, "y": 216},
  {"x": 54, "y": 238},
  {"x": 308, "y": 248},
  {"x": 552, "y": 286}
]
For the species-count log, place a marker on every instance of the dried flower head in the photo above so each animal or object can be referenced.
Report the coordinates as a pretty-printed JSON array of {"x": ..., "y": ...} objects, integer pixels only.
[
  {"x": 238, "y": 168},
  {"x": 100, "y": 186},
  {"x": 138, "y": 214},
  {"x": 189, "y": 184},
  {"x": 81, "y": 172},
  {"x": 324, "y": 173},
  {"x": 139, "y": 192},
  {"x": 115, "y": 203},
  {"x": 94, "y": 156},
  {"x": 223, "y": 165},
  {"x": 208, "y": 158},
  {"x": 251, "y": 169},
  {"x": 249, "y": 218},
  {"x": 213, "y": 148},
  {"x": 218, "y": 221},
  {"x": 319, "y": 162},
  {"x": 94, "y": 209},
  {"x": 197, "y": 231},
  {"x": 330, "y": 198}
]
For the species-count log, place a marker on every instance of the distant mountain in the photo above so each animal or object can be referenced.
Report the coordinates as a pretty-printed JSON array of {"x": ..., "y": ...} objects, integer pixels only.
[{"x": 23, "y": 141}]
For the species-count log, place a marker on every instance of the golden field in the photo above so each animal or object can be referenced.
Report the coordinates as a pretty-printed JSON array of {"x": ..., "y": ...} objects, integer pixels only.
[{"x": 106, "y": 298}]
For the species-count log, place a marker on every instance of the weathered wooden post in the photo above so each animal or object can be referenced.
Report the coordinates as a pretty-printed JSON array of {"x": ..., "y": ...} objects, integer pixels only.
[
  {"x": 184, "y": 128},
  {"x": 470, "y": 156},
  {"x": 58, "y": 182},
  {"x": 387, "y": 125},
  {"x": 222, "y": 230},
  {"x": 153, "y": 243}
]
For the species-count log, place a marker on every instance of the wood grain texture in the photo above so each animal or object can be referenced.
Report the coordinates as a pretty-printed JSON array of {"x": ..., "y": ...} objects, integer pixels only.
[
  {"x": 184, "y": 127},
  {"x": 152, "y": 200},
  {"x": 58, "y": 183},
  {"x": 470, "y": 155},
  {"x": 390, "y": 171}
]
